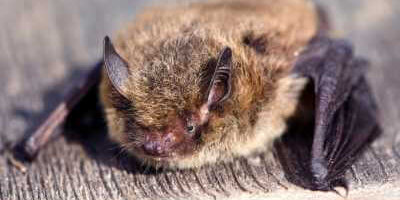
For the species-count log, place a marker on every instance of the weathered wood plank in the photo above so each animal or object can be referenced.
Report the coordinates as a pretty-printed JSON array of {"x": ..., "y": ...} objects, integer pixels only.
[{"x": 46, "y": 44}]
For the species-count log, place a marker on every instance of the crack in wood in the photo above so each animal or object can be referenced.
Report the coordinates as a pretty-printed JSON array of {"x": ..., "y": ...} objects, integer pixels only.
[
  {"x": 235, "y": 177},
  {"x": 116, "y": 183},
  {"x": 381, "y": 166},
  {"x": 354, "y": 175},
  {"x": 180, "y": 186},
  {"x": 250, "y": 171},
  {"x": 1, "y": 191},
  {"x": 41, "y": 177},
  {"x": 395, "y": 144},
  {"x": 171, "y": 185},
  {"x": 138, "y": 182},
  {"x": 164, "y": 190},
  {"x": 212, "y": 181},
  {"x": 68, "y": 174},
  {"x": 30, "y": 186},
  {"x": 151, "y": 186},
  {"x": 85, "y": 178},
  {"x": 55, "y": 184},
  {"x": 37, "y": 183},
  {"x": 201, "y": 184},
  {"x": 13, "y": 175},
  {"x": 81, "y": 182},
  {"x": 104, "y": 181},
  {"x": 10, "y": 185},
  {"x": 278, "y": 181},
  {"x": 2, "y": 166},
  {"x": 218, "y": 181},
  {"x": 63, "y": 167}
]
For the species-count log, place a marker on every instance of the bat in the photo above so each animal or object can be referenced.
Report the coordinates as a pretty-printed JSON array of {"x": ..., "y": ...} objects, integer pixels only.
[{"x": 185, "y": 86}]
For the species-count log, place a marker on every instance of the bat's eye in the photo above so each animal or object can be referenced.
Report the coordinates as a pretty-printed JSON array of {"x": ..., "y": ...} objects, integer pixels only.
[{"x": 191, "y": 128}]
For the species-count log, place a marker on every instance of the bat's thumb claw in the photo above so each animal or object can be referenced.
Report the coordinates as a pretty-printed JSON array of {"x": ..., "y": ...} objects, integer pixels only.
[
  {"x": 319, "y": 172},
  {"x": 341, "y": 193}
]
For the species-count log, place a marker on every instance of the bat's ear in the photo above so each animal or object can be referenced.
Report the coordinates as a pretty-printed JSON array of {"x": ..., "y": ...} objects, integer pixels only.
[
  {"x": 220, "y": 86},
  {"x": 116, "y": 67}
]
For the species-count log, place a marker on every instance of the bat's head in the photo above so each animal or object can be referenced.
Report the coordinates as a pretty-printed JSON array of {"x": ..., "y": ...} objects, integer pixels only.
[{"x": 165, "y": 105}]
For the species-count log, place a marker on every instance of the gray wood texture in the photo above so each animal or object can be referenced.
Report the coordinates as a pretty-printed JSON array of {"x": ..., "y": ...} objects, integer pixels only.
[{"x": 44, "y": 45}]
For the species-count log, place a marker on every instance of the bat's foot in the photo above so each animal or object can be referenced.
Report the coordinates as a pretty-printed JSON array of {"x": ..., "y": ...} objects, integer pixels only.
[
  {"x": 14, "y": 157},
  {"x": 15, "y": 161}
]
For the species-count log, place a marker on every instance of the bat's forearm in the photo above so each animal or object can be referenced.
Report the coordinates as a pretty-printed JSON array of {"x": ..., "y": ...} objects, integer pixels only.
[{"x": 46, "y": 130}]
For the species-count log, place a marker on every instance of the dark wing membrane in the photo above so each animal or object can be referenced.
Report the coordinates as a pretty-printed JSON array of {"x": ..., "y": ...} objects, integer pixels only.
[{"x": 345, "y": 112}]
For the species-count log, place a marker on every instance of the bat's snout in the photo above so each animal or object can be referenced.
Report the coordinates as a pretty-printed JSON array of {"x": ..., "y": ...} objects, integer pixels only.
[{"x": 161, "y": 145}]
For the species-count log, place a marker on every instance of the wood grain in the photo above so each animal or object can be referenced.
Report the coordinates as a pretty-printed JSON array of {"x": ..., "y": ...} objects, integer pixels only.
[{"x": 47, "y": 44}]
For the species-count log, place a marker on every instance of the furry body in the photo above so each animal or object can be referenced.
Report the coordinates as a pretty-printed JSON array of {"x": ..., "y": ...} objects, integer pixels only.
[{"x": 168, "y": 51}]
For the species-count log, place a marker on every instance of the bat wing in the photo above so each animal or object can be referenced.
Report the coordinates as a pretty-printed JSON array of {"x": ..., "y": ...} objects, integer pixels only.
[
  {"x": 30, "y": 146},
  {"x": 345, "y": 112}
]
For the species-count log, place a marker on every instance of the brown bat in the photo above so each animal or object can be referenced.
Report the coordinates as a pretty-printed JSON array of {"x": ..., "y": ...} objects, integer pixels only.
[{"x": 207, "y": 82}]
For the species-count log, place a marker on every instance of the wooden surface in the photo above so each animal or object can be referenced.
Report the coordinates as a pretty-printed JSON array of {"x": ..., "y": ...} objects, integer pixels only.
[{"x": 44, "y": 45}]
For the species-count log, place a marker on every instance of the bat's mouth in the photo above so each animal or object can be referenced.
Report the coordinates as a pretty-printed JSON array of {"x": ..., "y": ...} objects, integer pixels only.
[
  {"x": 159, "y": 158},
  {"x": 156, "y": 154},
  {"x": 175, "y": 154}
]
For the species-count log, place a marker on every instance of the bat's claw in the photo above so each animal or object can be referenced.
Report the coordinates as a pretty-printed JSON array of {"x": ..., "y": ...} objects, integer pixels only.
[{"x": 320, "y": 172}]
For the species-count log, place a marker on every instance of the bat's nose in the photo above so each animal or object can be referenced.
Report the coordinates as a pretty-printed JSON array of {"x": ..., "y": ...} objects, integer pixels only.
[
  {"x": 161, "y": 145},
  {"x": 153, "y": 148}
]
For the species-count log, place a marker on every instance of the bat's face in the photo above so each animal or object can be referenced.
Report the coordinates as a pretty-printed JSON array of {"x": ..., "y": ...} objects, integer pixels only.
[
  {"x": 179, "y": 137},
  {"x": 169, "y": 105}
]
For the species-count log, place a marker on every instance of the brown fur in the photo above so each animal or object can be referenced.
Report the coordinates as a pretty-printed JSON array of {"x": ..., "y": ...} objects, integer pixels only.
[{"x": 168, "y": 48}]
